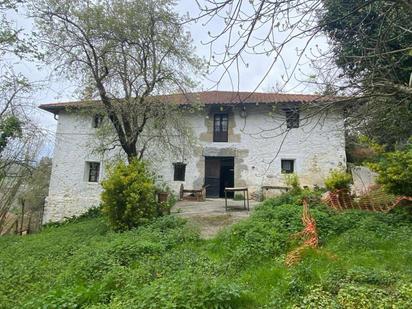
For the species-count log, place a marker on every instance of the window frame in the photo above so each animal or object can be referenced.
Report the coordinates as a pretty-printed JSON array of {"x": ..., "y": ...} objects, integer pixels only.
[
  {"x": 179, "y": 171},
  {"x": 220, "y": 136},
  {"x": 95, "y": 176},
  {"x": 293, "y": 165},
  {"x": 292, "y": 118},
  {"x": 97, "y": 121}
]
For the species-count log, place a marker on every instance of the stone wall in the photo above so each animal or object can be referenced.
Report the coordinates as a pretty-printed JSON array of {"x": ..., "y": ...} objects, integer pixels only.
[
  {"x": 363, "y": 179},
  {"x": 257, "y": 142}
]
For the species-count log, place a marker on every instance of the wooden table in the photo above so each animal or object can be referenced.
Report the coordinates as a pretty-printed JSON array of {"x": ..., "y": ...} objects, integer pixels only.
[{"x": 239, "y": 189}]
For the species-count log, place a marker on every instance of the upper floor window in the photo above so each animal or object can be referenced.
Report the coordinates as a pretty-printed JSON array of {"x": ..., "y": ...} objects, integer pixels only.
[
  {"x": 287, "y": 166},
  {"x": 93, "y": 171},
  {"x": 220, "y": 128},
  {"x": 179, "y": 172},
  {"x": 97, "y": 121},
  {"x": 292, "y": 118}
]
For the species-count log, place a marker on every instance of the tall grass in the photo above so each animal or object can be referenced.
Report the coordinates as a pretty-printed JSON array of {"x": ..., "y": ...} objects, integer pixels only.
[{"x": 363, "y": 261}]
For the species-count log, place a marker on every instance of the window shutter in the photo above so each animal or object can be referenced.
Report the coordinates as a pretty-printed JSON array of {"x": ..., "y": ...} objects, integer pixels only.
[{"x": 179, "y": 171}]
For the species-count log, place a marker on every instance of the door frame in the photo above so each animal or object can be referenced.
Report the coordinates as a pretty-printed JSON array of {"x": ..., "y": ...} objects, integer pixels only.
[{"x": 223, "y": 169}]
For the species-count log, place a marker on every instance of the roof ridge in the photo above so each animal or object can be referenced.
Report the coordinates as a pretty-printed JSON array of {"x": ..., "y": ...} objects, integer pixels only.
[{"x": 207, "y": 98}]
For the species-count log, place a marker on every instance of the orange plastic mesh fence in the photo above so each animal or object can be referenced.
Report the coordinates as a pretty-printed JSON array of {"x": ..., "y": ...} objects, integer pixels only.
[
  {"x": 376, "y": 200},
  {"x": 309, "y": 235}
]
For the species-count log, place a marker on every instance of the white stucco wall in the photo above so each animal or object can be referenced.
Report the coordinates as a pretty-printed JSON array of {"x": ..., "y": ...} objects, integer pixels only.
[{"x": 317, "y": 146}]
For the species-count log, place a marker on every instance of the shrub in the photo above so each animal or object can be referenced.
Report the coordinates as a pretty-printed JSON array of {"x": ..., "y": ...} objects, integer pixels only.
[
  {"x": 395, "y": 171},
  {"x": 128, "y": 197},
  {"x": 292, "y": 180},
  {"x": 164, "y": 207},
  {"x": 338, "y": 180}
]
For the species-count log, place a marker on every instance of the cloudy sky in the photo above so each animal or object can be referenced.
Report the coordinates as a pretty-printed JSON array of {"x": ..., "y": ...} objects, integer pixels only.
[{"x": 251, "y": 75}]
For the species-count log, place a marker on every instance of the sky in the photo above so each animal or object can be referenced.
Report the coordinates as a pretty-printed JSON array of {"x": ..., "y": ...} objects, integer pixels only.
[{"x": 251, "y": 75}]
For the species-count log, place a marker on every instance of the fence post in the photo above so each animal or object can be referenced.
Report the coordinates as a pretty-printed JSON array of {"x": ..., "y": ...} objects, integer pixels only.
[
  {"x": 22, "y": 217},
  {"x": 29, "y": 223}
]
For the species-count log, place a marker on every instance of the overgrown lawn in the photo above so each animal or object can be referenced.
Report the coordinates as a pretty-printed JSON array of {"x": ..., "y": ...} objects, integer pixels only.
[{"x": 364, "y": 261}]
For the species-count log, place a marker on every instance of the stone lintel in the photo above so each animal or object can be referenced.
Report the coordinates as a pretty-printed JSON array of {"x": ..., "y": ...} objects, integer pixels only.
[{"x": 219, "y": 152}]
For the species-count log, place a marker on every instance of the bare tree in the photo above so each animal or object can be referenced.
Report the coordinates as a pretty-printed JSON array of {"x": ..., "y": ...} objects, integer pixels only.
[
  {"x": 20, "y": 137},
  {"x": 269, "y": 27},
  {"x": 367, "y": 58},
  {"x": 124, "y": 53},
  {"x": 16, "y": 164}
]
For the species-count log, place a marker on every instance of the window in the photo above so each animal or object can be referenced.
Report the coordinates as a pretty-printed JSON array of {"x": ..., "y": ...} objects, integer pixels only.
[
  {"x": 288, "y": 166},
  {"x": 93, "y": 170},
  {"x": 220, "y": 126},
  {"x": 180, "y": 171},
  {"x": 292, "y": 118},
  {"x": 97, "y": 121}
]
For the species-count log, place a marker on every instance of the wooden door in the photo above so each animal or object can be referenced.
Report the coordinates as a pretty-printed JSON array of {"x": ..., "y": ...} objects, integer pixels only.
[
  {"x": 212, "y": 176},
  {"x": 227, "y": 176}
]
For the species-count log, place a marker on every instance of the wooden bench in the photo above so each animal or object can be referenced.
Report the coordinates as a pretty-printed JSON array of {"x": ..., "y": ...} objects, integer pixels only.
[
  {"x": 198, "y": 195},
  {"x": 245, "y": 191}
]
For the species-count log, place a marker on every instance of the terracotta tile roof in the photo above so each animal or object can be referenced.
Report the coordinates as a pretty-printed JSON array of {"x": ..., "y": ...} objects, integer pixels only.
[{"x": 205, "y": 97}]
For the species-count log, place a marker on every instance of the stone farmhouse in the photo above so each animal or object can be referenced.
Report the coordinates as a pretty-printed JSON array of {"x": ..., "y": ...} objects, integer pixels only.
[{"x": 242, "y": 139}]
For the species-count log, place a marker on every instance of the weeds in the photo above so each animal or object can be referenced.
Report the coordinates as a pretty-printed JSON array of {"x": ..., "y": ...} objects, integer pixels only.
[{"x": 364, "y": 258}]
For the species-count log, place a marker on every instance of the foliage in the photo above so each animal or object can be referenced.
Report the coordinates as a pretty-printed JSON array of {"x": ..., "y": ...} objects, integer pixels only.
[
  {"x": 349, "y": 40},
  {"x": 13, "y": 40},
  {"x": 36, "y": 186},
  {"x": 292, "y": 180},
  {"x": 338, "y": 180},
  {"x": 376, "y": 147},
  {"x": 185, "y": 291},
  {"x": 371, "y": 45},
  {"x": 395, "y": 171},
  {"x": 368, "y": 57},
  {"x": 124, "y": 53},
  {"x": 361, "y": 148},
  {"x": 364, "y": 258},
  {"x": 165, "y": 207},
  {"x": 20, "y": 138},
  {"x": 128, "y": 197},
  {"x": 10, "y": 128}
]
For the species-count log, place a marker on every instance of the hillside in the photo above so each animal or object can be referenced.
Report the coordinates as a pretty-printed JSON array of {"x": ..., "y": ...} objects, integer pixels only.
[{"x": 364, "y": 261}]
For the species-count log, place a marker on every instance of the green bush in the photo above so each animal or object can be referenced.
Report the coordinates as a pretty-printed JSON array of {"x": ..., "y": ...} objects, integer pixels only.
[
  {"x": 164, "y": 207},
  {"x": 338, "y": 180},
  {"x": 292, "y": 181},
  {"x": 363, "y": 259},
  {"x": 128, "y": 197},
  {"x": 395, "y": 171}
]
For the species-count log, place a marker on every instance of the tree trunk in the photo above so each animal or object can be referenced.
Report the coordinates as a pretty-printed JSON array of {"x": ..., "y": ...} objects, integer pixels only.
[
  {"x": 131, "y": 152},
  {"x": 128, "y": 144}
]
